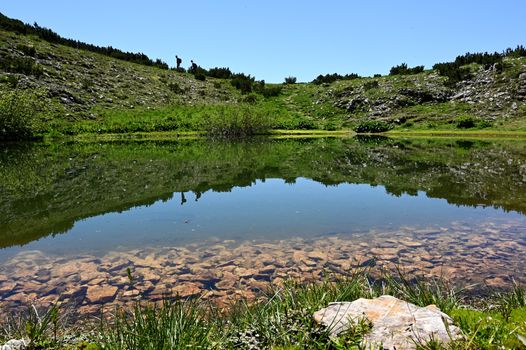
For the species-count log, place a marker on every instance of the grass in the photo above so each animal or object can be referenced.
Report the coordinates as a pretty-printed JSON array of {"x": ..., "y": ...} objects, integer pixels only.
[
  {"x": 88, "y": 93},
  {"x": 282, "y": 319}
]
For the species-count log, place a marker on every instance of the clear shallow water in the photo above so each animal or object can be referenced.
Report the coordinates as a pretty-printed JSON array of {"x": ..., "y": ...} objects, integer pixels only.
[
  {"x": 270, "y": 209},
  {"x": 170, "y": 207}
]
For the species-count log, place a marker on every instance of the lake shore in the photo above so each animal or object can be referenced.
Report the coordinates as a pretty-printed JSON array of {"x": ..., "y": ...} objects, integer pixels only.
[{"x": 281, "y": 318}]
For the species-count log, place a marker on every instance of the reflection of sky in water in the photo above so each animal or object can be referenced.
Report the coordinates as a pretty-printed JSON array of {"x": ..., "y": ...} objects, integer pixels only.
[{"x": 270, "y": 209}]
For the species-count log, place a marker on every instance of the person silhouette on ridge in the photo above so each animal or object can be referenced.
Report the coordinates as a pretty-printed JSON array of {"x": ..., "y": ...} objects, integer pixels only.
[
  {"x": 194, "y": 66},
  {"x": 178, "y": 61}
]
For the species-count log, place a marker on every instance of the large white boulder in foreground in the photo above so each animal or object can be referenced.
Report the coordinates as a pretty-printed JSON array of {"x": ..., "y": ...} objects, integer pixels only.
[{"x": 396, "y": 324}]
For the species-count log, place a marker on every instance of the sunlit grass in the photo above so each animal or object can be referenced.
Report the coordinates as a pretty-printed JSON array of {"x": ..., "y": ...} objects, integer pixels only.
[{"x": 282, "y": 319}]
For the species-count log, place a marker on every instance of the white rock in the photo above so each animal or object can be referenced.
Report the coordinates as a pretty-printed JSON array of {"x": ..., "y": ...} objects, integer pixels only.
[
  {"x": 396, "y": 324},
  {"x": 14, "y": 344}
]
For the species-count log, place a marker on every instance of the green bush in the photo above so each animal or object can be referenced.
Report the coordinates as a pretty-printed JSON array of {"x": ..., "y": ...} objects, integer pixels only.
[
  {"x": 330, "y": 78},
  {"x": 331, "y": 126},
  {"x": 27, "y": 50},
  {"x": 372, "y": 126},
  {"x": 465, "y": 122},
  {"x": 242, "y": 82},
  {"x": 17, "y": 115},
  {"x": 250, "y": 98},
  {"x": 370, "y": 85},
  {"x": 454, "y": 73},
  {"x": 307, "y": 124},
  {"x": 485, "y": 124},
  {"x": 220, "y": 73},
  {"x": 175, "y": 88},
  {"x": 235, "y": 121},
  {"x": 22, "y": 65},
  {"x": 200, "y": 76},
  {"x": 290, "y": 80},
  {"x": 403, "y": 69},
  {"x": 11, "y": 80},
  {"x": 271, "y": 91}
]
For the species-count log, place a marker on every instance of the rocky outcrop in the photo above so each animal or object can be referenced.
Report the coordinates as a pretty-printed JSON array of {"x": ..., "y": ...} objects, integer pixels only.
[
  {"x": 14, "y": 344},
  {"x": 521, "y": 89},
  {"x": 396, "y": 324}
]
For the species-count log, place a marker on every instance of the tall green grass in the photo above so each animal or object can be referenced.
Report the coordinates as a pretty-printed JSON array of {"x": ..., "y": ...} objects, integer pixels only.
[
  {"x": 225, "y": 120},
  {"x": 18, "y": 115},
  {"x": 283, "y": 319},
  {"x": 171, "y": 326}
]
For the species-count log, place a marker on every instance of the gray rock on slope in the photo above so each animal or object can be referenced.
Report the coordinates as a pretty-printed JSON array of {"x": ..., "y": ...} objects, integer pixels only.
[
  {"x": 396, "y": 324},
  {"x": 14, "y": 344}
]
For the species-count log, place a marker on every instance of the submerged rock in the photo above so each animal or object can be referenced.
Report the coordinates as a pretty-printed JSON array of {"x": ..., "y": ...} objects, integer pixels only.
[
  {"x": 101, "y": 294},
  {"x": 396, "y": 324}
]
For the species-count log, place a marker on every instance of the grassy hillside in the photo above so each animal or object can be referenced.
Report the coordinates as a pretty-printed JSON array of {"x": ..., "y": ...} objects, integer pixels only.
[{"x": 51, "y": 89}]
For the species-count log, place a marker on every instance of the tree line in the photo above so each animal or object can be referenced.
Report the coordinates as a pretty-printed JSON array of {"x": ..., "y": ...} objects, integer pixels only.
[
  {"x": 455, "y": 71},
  {"x": 17, "y": 26}
]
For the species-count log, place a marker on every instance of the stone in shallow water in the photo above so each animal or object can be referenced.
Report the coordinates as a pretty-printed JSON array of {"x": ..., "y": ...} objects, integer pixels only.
[
  {"x": 396, "y": 324},
  {"x": 101, "y": 294}
]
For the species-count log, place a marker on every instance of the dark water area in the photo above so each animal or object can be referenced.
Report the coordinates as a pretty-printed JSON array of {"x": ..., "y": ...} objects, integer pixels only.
[{"x": 225, "y": 218}]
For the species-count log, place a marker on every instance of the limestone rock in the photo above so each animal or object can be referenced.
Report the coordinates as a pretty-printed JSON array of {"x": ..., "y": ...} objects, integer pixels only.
[
  {"x": 396, "y": 324},
  {"x": 14, "y": 344}
]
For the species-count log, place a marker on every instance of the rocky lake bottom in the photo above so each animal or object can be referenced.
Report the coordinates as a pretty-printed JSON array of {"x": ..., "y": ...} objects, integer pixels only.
[
  {"x": 489, "y": 254},
  {"x": 98, "y": 224}
]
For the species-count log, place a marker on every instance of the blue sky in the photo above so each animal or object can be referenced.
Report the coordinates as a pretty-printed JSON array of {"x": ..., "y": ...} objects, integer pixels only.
[{"x": 273, "y": 39}]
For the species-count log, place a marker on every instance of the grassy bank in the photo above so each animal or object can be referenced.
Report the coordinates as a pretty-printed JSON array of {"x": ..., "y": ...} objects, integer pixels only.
[
  {"x": 55, "y": 90},
  {"x": 282, "y": 319}
]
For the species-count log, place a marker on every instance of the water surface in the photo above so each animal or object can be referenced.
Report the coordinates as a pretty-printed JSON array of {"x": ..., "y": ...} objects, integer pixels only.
[{"x": 164, "y": 208}]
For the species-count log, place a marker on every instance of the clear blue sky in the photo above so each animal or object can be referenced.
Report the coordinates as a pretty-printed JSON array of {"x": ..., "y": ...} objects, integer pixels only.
[{"x": 272, "y": 39}]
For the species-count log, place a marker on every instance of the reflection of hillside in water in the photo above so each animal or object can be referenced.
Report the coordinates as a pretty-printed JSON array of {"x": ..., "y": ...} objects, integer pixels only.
[{"x": 46, "y": 188}]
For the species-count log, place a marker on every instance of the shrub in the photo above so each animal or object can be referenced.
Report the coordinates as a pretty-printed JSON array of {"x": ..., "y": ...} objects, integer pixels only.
[
  {"x": 235, "y": 121},
  {"x": 220, "y": 73},
  {"x": 200, "y": 76},
  {"x": 11, "y": 80},
  {"x": 290, "y": 80},
  {"x": 271, "y": 91},
  {"x": 86, "y": 83},
  {"x": 372, "y": 126},
  {"x": 453, "y": 72},
  {"x": 21, "y": 65},
  {"x": 306, "y": 124},
  {"x": 242, "y": 82},
  {"x": 330, "y": 78},
  {"x": 403, "y": 69},
  {"x": 17, "y": 115},
  {"x": 175, "y": 88},
  {"x": 251, "y": 98},
  {"x": 519, "y": 51},
  {"x": 27, "y": 50},
  {"x": 377, "y": 75},
  {"x": 465, "y": 122},
  {"x": 485, "y": 124},
  {"x": 331, "y": 126},
  {"x": 373, "y": 84}
]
